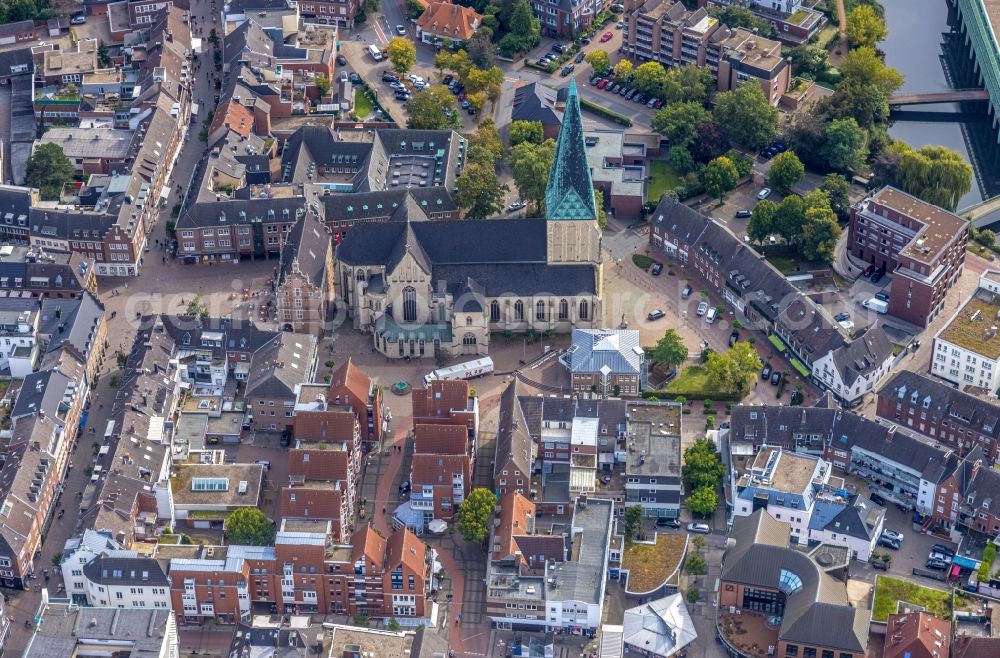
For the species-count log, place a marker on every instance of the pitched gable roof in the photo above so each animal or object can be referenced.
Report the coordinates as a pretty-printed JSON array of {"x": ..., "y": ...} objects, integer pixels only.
[
  {"x": 449, "y": 20},
  {"x": 514, "y": 444}
]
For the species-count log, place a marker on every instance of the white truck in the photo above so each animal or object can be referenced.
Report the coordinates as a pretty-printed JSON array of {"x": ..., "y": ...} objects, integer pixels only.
[
  {"x": 877, "y": 305},
  {"x": 467, "y": 370}
]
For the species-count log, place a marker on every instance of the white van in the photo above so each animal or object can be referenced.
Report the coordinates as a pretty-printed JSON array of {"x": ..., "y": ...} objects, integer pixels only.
[
  {"x": 375, "y": 53},
  {"x": 710, "y": 316}
]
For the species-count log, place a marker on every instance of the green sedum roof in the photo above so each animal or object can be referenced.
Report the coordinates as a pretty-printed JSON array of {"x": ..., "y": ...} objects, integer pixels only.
[{"x": 570, "y": 191}]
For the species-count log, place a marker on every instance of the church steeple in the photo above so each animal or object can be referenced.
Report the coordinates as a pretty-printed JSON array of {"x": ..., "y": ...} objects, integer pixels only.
[{"x": 570, "y": 191}]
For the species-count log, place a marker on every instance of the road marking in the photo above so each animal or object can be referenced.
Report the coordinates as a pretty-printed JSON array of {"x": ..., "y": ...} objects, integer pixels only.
[{"x": 379, "y": 33}]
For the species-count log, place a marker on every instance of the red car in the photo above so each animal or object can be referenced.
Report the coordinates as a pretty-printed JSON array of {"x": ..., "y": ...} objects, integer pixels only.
[
  {"x": 603, "y": 83},
  {"x": 869, "y": 270},
  {"x": 607, "y": 36}
]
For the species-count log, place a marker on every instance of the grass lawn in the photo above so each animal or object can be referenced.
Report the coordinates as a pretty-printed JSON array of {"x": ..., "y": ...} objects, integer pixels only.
[
  {"x": 649, "y": 565},
  {"x": 889, "y": 591},
  {"x": 693, "y": 380},
  {"x": 664, "y": 178},
  {"x": 784, "y": 264},
  {"x": 362, "y": 104}
]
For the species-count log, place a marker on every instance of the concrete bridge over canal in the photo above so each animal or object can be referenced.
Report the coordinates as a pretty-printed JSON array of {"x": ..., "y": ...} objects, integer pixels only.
[{"x": 929, "y": 98}]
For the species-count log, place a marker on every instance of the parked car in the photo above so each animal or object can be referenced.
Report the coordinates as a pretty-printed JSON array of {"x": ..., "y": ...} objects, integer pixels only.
[
  {"x": 404, "y": 486},
  {"x": 566, "y": 71},
  {"x": 877, "y": 276},
  {"x": 733, "y": 337},
  {"x": 343, "y": 76},
  {"x": 579, "y": 57},
  {"x": 664, "y": 522},
  {"x": 699, "y": 527},
  {"x": 624, "y": 90},
  {"x": 402, "y": 95},
  {"x": 631, "y": 94},
  {"x": 594, "y": 80},
  {"x": 659, "y": 103},
  {"x": 401, "y": 30},
  {"x": 939, "y": 556},
  {"x": 941, "y": 548},
  {"x": 888, "y": 542},
  {"x": 515, "y": 206},
  {"x": 656, "y": 315},
  {"x": 286, "y": 439},
  {"x": 892, "y": 534},
  {"x": 389, "y": 77},
  {"x": 775, "y": 377},
  {"x": 78, "y": 20},
  {"x": 766, "y": 372},
  {"x": 607, "y": 36},
  {"x": 686, "y": 292},
  {"x": 414, "y": 78},
  {"x": 603, "y": 83},
  {"x": 355, "y": 78},
  {"x": 341, "y": 60},
  {"x": 936, "y": 565},
  {"x": 744, "y": 213},
  {"x": 884, "y": 296},
  {"x": 559, "y": 48},
  {"x": 764, "y": 193},
  {"x": 702, "y": 308},
  {"x": 840, "y": 317},
  {"x": 651, "y": 102},
  {"x": 656, "y": 269},
  {"x": 877, "y": 499}
]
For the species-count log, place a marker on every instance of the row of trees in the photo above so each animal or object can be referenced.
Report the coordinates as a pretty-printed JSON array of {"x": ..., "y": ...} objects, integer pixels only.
[{"x": 702, "y": 472}]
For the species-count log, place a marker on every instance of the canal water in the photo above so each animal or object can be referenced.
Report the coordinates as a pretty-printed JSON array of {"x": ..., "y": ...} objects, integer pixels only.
[{"x": 921, "y": 47}]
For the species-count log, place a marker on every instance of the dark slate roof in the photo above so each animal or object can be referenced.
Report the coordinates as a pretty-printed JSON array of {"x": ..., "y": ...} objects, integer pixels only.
[
  {"x": 863, "y": 355},
  {"x": 125, "y": 572},
  {"x": 414, "y": 204},
  {"x": 242, "y": 211},
  {"x": 280, "y": 365},
  {"x": 570, "y": 192},
  {"x": 69, "y": 225},
  {"x": 819, "y": 612},
  {"x": 40, "y": 391},
  {"x": 306, "y": 249},
  {"x": 944, "y": 401},
  {"x": 72, "y": 320},
  {"x": 248, "y": 43},
  {"x": 519, "y": 279},
  {"x": 534, "y": 102},
  {"x": 857, "y": 519},
  {"x": 513, "y": 441},
  {"x": 15, "y": 62},
  {"x": 408, "y": 243},
  {"x": 450, "y": 242}
]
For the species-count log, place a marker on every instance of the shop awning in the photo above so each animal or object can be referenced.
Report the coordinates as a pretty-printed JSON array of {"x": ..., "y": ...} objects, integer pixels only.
[
  {"x": 777, "y": 342},
  {"x": 800, "y": 367}
]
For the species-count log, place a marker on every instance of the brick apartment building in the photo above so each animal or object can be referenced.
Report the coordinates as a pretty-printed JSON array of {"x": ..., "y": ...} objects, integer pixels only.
[
  {"x": 665, "y": 31},
  {"x": 441, "y": 470},
  {"x": 447, "y": 402},
  {"x": 304, "y": 572},
  {"x": 237, "y": 229},
  {"x": 920, "y": 244},
  {"x": 563, "y": 19},
  {"x": 948, "y": 416},
  {"x": 350, "y": 386},
  {"x": 304, "y": 287}
]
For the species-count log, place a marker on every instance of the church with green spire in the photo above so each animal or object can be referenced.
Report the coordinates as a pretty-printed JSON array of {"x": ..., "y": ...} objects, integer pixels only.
[{"x": 424, "y": 287}]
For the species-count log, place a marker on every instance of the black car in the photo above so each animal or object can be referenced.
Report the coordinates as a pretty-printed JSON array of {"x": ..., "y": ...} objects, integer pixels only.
[
  {"x": 664, "y": 522},
  {"x": 389, "y": 77},
  {"x": 877, "y": 499},
  {"x": 579, "y": 57},
  {"x": 341, "y": 60},
  {"x": 884, "y": 296},
  {"x": 888, "y": 542},
  {"x": 936, "y": 565},
  {"x": 744, "y": 213},
  {"x": 877, "y": 276},
  {"x": 733, "y": 337},
  {"x": 286, "y": 439},
  {"x": 446, "y": 80},
  {"x": 766, "y": 372},
  {"x": 355, "y": 78},
  {"x": 941, "y": 548},
  {"x": 775, "y": 377},
  {"x": 559, "y": 48},
  {"x": 656, "y": 269},
  {"x": 840, "y": 317},
  {"x": 566, "y": 71}
]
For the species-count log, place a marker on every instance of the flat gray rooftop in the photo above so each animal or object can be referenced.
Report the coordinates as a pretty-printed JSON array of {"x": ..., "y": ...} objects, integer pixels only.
[{"x": 63, "y": 625}]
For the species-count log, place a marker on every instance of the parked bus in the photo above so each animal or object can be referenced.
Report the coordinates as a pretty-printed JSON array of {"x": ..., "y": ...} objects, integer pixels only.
[{"x": 467, "y": 370}]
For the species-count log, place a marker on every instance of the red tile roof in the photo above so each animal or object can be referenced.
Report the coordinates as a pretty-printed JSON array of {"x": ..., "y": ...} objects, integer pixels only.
[
  {"x": 517, "y": 517},
  {"x": 434, "y": 470},
  {"x": 441, "y": 439},
  {"x": 405, "y": 548},
  {"x": 444, "y": 19},
  {"x": 439, "y": 398},
  {"x": 348, "y": 378},
  {"x": 325, "y": 425},
  {"x": 916, "y": 635},
  {"x": 366, "y": 542},
  {"x": 236, "y": 117}
]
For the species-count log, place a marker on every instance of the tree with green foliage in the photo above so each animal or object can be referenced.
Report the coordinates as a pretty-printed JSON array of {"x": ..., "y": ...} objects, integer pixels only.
[
  {"x": 433, "y": 109},
  {"x": 457, "y": 62},
  {"x": 402, "y": 54},
  {"x": 808, "y": 61},
  {"x": 479, "y": 193},
  {"x": 530, "y": 164},
  {"x": 702, "y": 502},
  {"x": 526, "y": 131},
  {"x": 670, "y": 349},
  {"x": 693, "y": 595},
  {"x": 393, "y": 625},
  {"x": 735, "y": 15},
  {"x": 485, "y": 145},
  {"x": 854, "y": 99},
  {"x": 837, "y": 190},
  {"x": 786, "y": 170},
  {"x": 196, "y": 307},
  {"x": 702, "y": 466},
  {"x": 719, "y": 177},
  {"x": 865, "y": 27},
  {"x": 680, "y": 160},
  {"x": 865, "y": 66},
  {"x": 820, "y": 229},
  {"x": 524, "y": 32},
  {"x": 746, "y": 117},
  {"x": 788, "y": 217},
  {"x": 650, "y": 78},
  {"x": 49, "y": 169},
  {"x": 761, "y": 222},
  {"x": 688, "y": 83},
  {"x": 248, "y": 526},
  {"x": 709, "y": 142},
  {"x": 632, "y": 521},
  {"x": 679, "y": 122},
  {"x": 474, "y": 514},
  {"x": 482, "y": 51},
  {"x": 623, "y": 69},
  {"x": 844, "y": 145},
  {"x": 935, "y": 174},
  {"x": 599, "y": 60},
  {"x": 602, "y": 216},
  {"x": 322, "y": 85},
  {"x": 695, "y": 564},
  {"x": 734, "y": 371}
]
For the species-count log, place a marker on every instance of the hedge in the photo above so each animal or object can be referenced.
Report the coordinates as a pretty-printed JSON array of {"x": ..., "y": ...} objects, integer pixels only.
[
  {"x": 548, "y": 69},
  {"x": 605, "y": 112},
  {"x": 717, "y": 396}
]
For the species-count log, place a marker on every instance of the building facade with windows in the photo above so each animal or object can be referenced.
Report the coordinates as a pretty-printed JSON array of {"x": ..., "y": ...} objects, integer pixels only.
[{"x": 967, "y": 349}]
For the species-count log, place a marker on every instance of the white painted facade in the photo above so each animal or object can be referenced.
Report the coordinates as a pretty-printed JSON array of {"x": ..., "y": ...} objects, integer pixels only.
[{"x": 824, "y": 370}]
